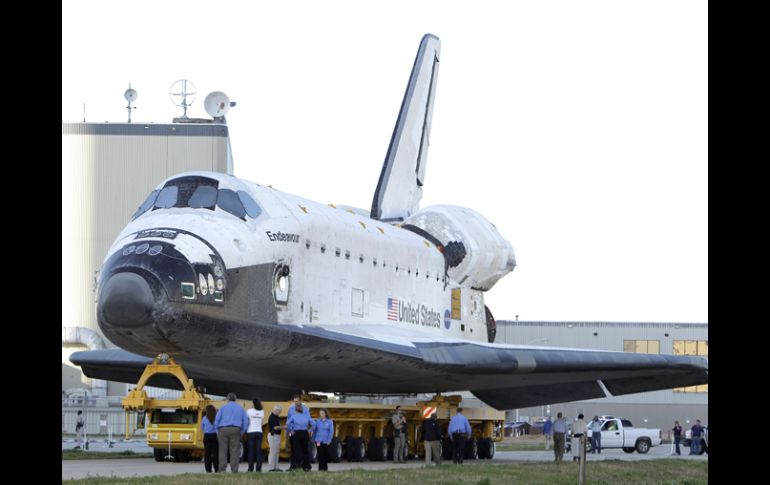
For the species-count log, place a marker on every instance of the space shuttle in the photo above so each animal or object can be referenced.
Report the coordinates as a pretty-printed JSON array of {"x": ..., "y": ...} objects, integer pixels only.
[{"x": 264, "y": 293}]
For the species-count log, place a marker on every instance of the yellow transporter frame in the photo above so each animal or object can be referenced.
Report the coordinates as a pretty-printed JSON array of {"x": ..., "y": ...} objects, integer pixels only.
[{"x": 363, "y": 429}]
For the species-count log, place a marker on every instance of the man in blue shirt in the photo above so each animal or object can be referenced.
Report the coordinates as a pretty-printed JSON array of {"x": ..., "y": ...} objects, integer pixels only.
[
  {"x": 231, "y": 423},
  {"x": 548, "y": 432},
  {"x": 297, "y": 426},
  {"x": 459, "y": 431},
  {"x": 294, "y": 446}
]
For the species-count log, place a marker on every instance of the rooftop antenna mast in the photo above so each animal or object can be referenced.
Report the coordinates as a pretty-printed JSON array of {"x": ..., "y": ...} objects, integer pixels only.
[
  {"x": 182, "y": 93},
  {"x": 130, "y": 96}
]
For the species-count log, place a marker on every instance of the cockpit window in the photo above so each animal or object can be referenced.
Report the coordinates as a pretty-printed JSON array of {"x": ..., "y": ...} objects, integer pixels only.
[
  {"x": 188, "y": 186},
  {"x": 166, "y": 197},
  {"x": 148, "y": 202},
  {"x": 197, "y": 192},
  {"x": 205, "y": 196},
  {"x": 229, "y": 201},
  {"x": 251, "y": 206}
]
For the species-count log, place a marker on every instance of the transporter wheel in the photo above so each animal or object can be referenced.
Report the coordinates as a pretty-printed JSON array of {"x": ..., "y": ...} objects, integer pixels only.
[
  {"x": 312, "y": 452},
  {"x": 391, "y": 447},
  {"x": 447, "y": 449},
  {"x": 471, "y": 449},
  {"x": 384, "y": 449},
  {"x": 485, "y": 448},
  {"x": 335, "y": 451},
  {"x": 158, "y": 454},
  {"x": 359, "y": 449},
  {"x": 373, "y": 450}
]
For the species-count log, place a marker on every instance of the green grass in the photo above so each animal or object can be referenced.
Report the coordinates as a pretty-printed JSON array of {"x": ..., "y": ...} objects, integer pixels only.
[
  {"x": 609, "y": 472},
  {"x": 101, "y": 455}
]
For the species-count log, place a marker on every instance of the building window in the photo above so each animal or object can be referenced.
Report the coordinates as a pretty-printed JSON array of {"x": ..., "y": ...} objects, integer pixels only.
[
  {"x": 692, "y": 347},
  {"x": 642, "y": 346}
]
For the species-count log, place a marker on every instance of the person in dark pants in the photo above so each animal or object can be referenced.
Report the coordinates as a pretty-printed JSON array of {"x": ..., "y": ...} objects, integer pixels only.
[
  {"x": 291, "y": 436},
  {"x": 559, "y": 434},
  {"x": 298, "y": 425},
  {"x": 210, "y": 440},
  {"x": 323, "y": 432},
  {"x": 677, "y": 429},
  {"x": 697, "y": 432},
  {"x": 254, "y": 435},
  {"x": 459, "y": 431},
  {"x": 596, "y": 435}
]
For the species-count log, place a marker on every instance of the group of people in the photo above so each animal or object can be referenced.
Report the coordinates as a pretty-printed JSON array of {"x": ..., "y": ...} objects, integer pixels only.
[
  {"x": 223, "y": 431},
  {"x": 556, "y": 432},
  {"x": 696, "y": 435},
  {"x": 459, "y": 431}
]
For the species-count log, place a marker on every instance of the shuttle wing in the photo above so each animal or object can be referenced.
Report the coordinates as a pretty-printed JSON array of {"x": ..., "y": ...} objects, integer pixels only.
[
  {"x": 382, "y": 359},
  {"x": 515, "y": 376},
  {"x": 399, "y": 189}
]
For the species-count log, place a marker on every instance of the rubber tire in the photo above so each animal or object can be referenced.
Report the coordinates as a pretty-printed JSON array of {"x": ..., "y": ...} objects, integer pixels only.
[
  {"x": 335, "y": 451},
  {"x": 629, "y": 449},
  {"x": 642, "y": 446},
  {"x": 359, "y": 449},
  {"x": 385, "y": 448},
  {"x": 373, "y": 450},
  {"x": 159, "y": 454},
  {"x": 313, "y": 452},
  {"x": 447, "y": 449},
  {"x": 492, "y": 449},
  {"x": 471, "y": 449},
  {"x": 348, "y": 441}
]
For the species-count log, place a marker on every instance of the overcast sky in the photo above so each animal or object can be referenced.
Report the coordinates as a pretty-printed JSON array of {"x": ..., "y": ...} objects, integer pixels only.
[{"x": 578, "y": 128}]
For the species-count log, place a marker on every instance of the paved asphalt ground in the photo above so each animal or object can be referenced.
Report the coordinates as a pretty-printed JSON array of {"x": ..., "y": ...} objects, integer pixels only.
[{"x": 148, "y": 466}]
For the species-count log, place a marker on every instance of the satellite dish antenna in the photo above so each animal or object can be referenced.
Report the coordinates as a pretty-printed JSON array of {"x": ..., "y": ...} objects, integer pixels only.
[
  {"x": 130, "y": 96},
  {"x": 217, "y": 104},
  {"x": 182, "y": 93}
]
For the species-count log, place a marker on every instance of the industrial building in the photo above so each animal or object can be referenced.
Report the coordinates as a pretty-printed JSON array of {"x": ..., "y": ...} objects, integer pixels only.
[
  {"x": 657, "y": 409},
  {"x": 107, "y": 171}
]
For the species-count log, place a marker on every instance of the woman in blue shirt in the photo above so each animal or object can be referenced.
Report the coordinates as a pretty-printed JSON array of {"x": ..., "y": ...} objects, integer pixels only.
[{"x": 323, "y": 432}]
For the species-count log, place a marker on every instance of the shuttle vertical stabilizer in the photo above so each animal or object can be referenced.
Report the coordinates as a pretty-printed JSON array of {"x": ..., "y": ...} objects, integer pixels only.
[{"x": 399, "y": 190}]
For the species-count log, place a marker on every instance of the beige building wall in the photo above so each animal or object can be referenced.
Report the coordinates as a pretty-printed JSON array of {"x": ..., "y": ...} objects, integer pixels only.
[{"x": 108, "y": 169}]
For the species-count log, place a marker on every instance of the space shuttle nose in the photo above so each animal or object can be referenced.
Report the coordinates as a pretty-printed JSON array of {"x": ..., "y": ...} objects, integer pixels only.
[{"x": 126, "y": 300}]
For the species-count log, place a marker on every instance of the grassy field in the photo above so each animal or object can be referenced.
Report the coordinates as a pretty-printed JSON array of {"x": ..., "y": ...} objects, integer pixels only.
[
  {"x": 608, "y": 472},
  {"x": 101, "y": 455}
]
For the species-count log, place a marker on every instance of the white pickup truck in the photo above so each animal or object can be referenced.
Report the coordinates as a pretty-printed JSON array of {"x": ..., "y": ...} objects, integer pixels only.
[{"x": 620, "y": 433}]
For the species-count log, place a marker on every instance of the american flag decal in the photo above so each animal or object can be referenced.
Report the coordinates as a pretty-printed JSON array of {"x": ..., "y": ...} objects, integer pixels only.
[{"x": 393, "y": 309}]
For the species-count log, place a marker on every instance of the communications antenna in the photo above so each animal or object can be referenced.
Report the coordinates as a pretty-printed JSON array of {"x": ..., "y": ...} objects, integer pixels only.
[
  {"x": 182, "y": 93},
  {"x": 130, "y": 96}
]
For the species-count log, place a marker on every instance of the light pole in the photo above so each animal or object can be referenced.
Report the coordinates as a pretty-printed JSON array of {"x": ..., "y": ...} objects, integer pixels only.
[{"x": 85, "y": 419}]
